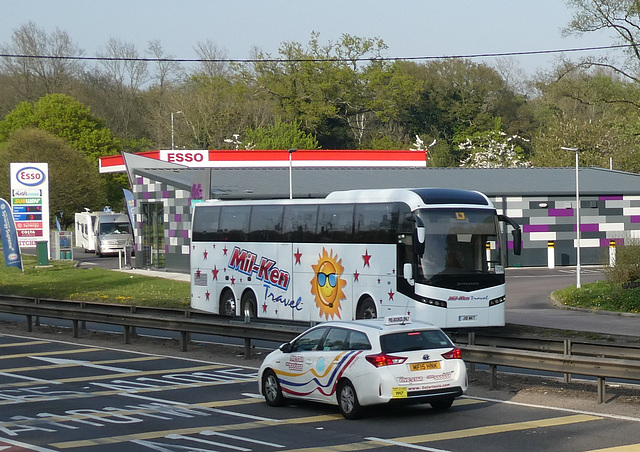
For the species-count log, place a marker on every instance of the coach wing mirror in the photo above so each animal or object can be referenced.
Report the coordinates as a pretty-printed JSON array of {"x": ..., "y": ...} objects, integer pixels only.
[
  {"x": 420, "y": 234},
  {"x": 516, "y": 233},
  {"x": 407, "y": 272},
  {"x": 517, "y": 241}
]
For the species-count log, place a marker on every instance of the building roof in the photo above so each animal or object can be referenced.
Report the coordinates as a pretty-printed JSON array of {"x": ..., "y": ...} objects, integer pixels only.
[{"x": 237, "y": 183}]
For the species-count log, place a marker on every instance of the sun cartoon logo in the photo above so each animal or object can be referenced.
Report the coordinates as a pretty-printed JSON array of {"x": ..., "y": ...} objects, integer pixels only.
[{"x": 327, "y": 285}]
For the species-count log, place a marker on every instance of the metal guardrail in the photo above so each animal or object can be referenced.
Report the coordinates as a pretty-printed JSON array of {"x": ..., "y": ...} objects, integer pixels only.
[
  {"x": 553, "y": 355},
  {"x": 131, "y": 317}
]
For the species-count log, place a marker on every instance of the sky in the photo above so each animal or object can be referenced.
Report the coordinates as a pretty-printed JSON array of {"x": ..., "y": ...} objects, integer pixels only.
[{"x": 410, "y": 28}]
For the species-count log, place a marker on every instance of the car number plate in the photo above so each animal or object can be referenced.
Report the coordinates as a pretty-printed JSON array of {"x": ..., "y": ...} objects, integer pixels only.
[{"x": 425, "y": 366}]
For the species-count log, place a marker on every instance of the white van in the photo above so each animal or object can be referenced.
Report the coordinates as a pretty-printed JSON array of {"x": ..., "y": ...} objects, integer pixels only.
[
  {"x": 84, "y": 230},
  {"x": 113, "y": 233}
]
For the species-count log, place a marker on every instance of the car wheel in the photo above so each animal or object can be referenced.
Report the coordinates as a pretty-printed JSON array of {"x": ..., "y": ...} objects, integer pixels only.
[
  {"x": 271, "y": 389},
  {"x": 348, "y": 401},
  {"x": 227, "y": 303},
  {"x": 441, "y": 404},
  {"x": 366, "y": 309},
  {"x": 249, "y": 306}
]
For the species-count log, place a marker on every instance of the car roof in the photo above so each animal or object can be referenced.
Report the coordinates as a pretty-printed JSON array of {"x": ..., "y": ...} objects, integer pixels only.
[{"x": 379, "y": 325}]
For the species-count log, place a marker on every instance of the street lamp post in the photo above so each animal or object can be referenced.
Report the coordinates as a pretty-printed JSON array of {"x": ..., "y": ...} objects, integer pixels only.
[
  {"x": 291, "y": 151},
  {"x": 577, "y": 150}
]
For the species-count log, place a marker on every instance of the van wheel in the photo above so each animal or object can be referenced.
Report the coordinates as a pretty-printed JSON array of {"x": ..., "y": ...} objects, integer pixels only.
[
  {"x": 366, "y": 309},
  {"x": 227, "y": 304},
  {"x": 348, "y": 401},
  {"x": 249, "y": 305}
]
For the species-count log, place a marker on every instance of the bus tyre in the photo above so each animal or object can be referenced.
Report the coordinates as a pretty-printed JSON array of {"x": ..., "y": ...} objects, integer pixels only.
[
  {"x": 441, "y": 404},
  {"x": 366, "y": 309},
  {"x": 227, "y": 303},
  {"x": 249, "y": 305},
  {"x": 348, "y": 401},
  {"x": 271, "y": 389}
]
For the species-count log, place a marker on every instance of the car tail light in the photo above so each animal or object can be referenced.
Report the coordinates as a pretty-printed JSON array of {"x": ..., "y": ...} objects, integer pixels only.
[
  {"x": 382, "y": 359},
  {"x": 456, "y": 353}
]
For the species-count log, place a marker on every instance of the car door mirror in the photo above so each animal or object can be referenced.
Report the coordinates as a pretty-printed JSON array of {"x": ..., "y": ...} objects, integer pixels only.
[{"x": 285, "y": 348}]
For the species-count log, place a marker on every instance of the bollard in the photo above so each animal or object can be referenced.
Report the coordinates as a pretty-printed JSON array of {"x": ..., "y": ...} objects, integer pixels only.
[
  {"x": 551, "y": 255},
  {"x": 612, "y": 253}
]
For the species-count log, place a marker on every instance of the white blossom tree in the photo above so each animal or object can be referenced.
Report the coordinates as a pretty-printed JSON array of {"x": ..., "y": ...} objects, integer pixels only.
[{"x": 493, "y": 149}]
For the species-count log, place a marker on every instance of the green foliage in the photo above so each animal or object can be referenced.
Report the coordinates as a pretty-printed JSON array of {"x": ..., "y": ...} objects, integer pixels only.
[
  {"x": 66, "y": 118},
  {"x": 74, "y": 182},
  {"x": 627, "y": 264},
  {"x": 63, "y": 281},
  {"x": 602, "y": 295},
  {"x": 280, "y": 135}
]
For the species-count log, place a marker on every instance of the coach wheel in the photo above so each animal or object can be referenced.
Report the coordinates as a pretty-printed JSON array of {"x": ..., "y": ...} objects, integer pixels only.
[
  {"x": 249, "y": 305},
  {"x": 227, "y": 303},
  {"x": 366, "y": 309}
]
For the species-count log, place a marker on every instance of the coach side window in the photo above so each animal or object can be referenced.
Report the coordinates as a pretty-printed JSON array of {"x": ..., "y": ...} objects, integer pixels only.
[
  {"x": 234, "y": 222},
  {"x": 376, "y": 223},
  {"x": 266, "y": 223},
  {"x": 205, "y": 224},
  {"x": 299, "y": 223},
  {"x": 335, "y": 223}
]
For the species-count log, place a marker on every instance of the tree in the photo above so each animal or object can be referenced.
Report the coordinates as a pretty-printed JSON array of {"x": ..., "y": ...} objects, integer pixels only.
[
  {"x": 595, "y": 110},
  {"x": 493, "y": 149},
  {"x": 457, "y": 98},
  {"x": 621, "y": 17},
  {"x": 66, "y": 118},
  {"x": 126, "y": 73},
  {"x": 74, "y": 182},
  {"x": 32, "y": 77},
  {"x": 330, "y": 89},
  {"x": 280, "y": 135}
]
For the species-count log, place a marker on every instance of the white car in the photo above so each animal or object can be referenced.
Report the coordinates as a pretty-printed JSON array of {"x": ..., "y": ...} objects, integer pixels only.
[{"x": 366, "y": 362}]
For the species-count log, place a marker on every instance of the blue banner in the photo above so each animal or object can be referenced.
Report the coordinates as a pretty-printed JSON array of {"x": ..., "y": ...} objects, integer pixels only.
[
  {"x": 10, "y": 246},
  {"x": 131, "y": 206}
]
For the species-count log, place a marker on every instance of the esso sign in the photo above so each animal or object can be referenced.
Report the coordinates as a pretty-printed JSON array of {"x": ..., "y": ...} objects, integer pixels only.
[
  {"x": 30, "y": 176},
  {"x": 189, "y": 158}
]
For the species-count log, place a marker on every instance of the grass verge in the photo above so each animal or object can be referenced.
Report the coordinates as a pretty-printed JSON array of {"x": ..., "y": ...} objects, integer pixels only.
[
  {"x": 601, "y": 295},
  {"x": 63, "y": 281}
]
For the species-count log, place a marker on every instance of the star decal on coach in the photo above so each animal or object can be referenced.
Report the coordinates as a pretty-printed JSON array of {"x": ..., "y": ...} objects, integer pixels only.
[
  {"x": 205, "y": 254},
  {"x": 215, "y": 272},
  {"x": 366, "y": 257},
  {"x": 298, "y": 255},
  {"x": 356, "y": 275}
]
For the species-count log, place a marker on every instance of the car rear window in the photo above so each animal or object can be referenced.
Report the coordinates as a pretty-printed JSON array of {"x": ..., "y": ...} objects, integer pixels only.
[{"x": 414, "y": 340}]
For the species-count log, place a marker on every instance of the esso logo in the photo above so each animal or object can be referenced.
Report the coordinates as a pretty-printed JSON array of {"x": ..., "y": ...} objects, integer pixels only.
[
  {"x": 30, "y": 176},
  {"x": 184, "y": 157}
]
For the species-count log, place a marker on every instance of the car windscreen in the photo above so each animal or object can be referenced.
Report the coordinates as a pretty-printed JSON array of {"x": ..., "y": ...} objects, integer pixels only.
[{"x": 414, "y": 340}]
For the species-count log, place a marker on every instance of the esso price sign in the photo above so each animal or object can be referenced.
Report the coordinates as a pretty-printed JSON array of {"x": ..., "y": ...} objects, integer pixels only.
[{"x": 30, "y": 176}]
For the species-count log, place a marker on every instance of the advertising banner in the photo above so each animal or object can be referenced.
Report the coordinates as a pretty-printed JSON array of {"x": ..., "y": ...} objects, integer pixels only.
[
  {"x": 131, "y": 209},
  {"x": 30, "y": 202},
  {"x": 10, "y": 246}
]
